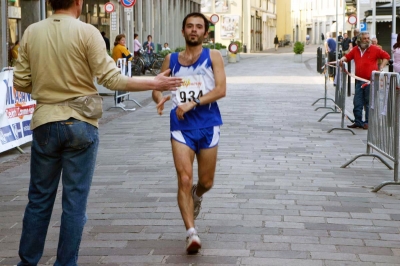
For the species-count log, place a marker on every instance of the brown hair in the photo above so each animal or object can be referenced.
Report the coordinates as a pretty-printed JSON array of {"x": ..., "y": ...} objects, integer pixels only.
[
  {"x": 60, "y": 4},
  {"x": 118, "y": 38},
  {"x": 397, "y": 44},
  {"x": 196, "y": 14}
]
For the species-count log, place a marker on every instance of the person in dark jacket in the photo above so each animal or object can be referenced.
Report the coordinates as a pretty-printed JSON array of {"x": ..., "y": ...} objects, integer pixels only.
[{"x": 106, "y": 40}]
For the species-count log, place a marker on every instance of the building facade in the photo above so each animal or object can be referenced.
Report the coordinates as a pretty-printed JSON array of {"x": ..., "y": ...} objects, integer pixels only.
[
  {"x": 318, "y": 17},
  {"x": 284, "y": 20},
  {"x": 252, "y": 22},
  {"x": 160, "y": 18}
]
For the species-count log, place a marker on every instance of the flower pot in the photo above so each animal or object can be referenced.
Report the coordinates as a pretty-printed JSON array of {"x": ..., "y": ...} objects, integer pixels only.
[
  {"x": 232, "y": 58},
  {"x": 223, "y": 52},
  {"x": 298, "y": 58}
]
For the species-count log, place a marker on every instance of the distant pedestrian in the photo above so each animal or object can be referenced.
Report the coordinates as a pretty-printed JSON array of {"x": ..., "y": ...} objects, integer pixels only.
[
  {"x": 276, "y": 42},
  {"x": 148, "y": 45},
  {"x": 106, "y": 40},
  {"x": 307, "y": 39},
  {"x": 353, "y": 43},
  {"x": 322, "y": 37},
  {"x": 330, "y": 47},
  {"x": 396, "y": 55},
  {"x": 365, "y": 57},
  {"x": 137, "y": 45},
  {"x": 166, "y": 47},
  {"x": 346, "y": 44}
]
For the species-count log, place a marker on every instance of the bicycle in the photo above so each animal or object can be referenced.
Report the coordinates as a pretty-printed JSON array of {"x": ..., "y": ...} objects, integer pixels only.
[{"x": 146, "y": 61}]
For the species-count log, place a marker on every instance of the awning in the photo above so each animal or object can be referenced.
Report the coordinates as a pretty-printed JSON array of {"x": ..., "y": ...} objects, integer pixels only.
[{"x": 380, "y": 18}]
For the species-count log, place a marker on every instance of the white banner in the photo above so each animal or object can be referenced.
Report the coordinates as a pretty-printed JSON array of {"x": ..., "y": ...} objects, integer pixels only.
[{"x": 16, "y": 115}]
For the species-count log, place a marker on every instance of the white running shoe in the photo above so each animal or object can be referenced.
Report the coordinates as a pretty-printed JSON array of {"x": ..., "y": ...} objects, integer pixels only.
[
  {"x": 121, "y": 105},
  {"x": 196, "y": 203},
  {"x": 193, "y": 243}
]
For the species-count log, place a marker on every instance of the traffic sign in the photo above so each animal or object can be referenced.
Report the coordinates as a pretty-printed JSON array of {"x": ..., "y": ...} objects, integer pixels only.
[
  {"x": 233, "y": 48},
  {"x": 352, "y": 20},
  {"x": 363, "y": 26},
  {"x": 128, "y": 3},
  {"x": 214, "y": 18},
  {"x": 109, "y": 7}
]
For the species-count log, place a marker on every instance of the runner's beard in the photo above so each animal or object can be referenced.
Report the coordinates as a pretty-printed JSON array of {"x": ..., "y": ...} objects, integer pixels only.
[{"x": 192, "y": 43}]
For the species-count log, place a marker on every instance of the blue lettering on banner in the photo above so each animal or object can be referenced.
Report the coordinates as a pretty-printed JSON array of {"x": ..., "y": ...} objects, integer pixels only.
[
  {"x": 17, "y": 130},
  {"x": 6, "y": 135},
  {"x": 17, "y": 97},
  {"x": 26, "y": 127}
]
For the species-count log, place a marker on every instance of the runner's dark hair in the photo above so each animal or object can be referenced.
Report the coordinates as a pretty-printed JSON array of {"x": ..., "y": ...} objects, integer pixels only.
[
  {"x": 196, "y": 14},
  {"x": 60, "y": 4}
]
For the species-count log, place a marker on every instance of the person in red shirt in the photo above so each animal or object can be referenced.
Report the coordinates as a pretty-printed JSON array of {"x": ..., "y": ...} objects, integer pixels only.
[{"x": 365, "y": 57}]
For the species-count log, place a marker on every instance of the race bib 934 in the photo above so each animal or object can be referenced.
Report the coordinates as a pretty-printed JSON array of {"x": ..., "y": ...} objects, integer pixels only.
[{"x": 192, "y": 88}]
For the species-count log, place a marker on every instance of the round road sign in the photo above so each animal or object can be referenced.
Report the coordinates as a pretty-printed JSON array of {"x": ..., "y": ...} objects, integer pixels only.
[
  {"x": 128, "y": 3},
  {"x": 109, "y": 7},
  {"x": 352, "y": 20},
  {"x": 214, "y": 18},
  {"x": 233, "y": 48}
]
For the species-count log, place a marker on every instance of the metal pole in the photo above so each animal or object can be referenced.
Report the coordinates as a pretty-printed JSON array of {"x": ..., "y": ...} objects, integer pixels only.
[
  {"x": 373, "y": 28},
  {"x": 4, "y": 41},
  {"x": 358, "y": 14},
  {"x": 394, "y": 17},
  {"x": 394, "y": 35},
  {"x": 337, "y": 30},
  {"x": 344, "y": 18},
  {"x": 42, "y": 9}
]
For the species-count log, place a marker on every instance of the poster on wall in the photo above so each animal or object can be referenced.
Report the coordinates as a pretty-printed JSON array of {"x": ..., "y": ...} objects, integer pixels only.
[
  {"x": 230, "y": 27},
  {"x": 221, "y": 6},
  {"x": 16, "y": 109},
  {"x": 206, "y": 6}
]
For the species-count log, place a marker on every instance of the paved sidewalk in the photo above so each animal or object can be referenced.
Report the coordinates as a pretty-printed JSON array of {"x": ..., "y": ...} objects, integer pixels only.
[{"x": 280, "y": 196}]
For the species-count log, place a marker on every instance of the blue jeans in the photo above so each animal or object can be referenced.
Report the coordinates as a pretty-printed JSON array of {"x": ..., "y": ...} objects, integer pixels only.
[
  {"x": 68, "y": 147},
  {"x": 361, "y": 100}
]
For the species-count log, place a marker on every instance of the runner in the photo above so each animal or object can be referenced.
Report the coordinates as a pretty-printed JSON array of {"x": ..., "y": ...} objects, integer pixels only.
[{"x": 195, "y": 119}]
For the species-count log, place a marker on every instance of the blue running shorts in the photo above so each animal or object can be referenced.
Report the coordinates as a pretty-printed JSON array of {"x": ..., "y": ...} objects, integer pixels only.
[{"x": 198, "y": 139}]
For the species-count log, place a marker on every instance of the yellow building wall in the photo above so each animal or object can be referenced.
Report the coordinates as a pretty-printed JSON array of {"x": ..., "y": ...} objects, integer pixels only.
[{"x": 284, "y": 19}]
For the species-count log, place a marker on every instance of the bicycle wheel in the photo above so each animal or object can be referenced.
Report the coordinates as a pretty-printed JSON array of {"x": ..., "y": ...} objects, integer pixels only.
[
  {"x": 137, "y": 66},
  {"x": 156, "y": 67}
]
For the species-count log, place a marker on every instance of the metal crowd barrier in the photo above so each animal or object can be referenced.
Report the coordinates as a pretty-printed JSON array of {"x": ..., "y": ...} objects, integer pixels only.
[
  {"x": 125, "y": 70},
  {"x": 383, "y": 122},
  {"x": 320, "y": 63},
  {"x": 340, "y": 96}
]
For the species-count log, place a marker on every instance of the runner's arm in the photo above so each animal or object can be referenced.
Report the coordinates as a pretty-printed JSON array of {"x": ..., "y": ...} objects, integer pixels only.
[{"x": 219, "y": 90}]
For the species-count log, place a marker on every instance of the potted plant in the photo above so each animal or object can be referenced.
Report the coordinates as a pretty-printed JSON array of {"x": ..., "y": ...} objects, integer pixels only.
[
  {"x": 223, "y": 50},
  {"x": 298, "y": 49}
]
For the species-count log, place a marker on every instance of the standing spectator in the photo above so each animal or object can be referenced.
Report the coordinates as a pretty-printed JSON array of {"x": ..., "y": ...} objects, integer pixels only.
[
  {"x": 396, "y": 55},
  {"x": 353, "y": 43},
  {"x": 276, "y": 42},
  {"x": 137, "y": 45},
  {"x": 65, "y": 140},
  {"x": 106, "y": 40},
  {"x": 374, "y": 41},
  {"x": 331, "y": 51},
  {"x": 166, "y": 47},
  {"x": 120, "y": 51},
  {"x": 148, "y": 45},
  {"x": 365, "y": 58},
  {"x": 346, "y": 44}
]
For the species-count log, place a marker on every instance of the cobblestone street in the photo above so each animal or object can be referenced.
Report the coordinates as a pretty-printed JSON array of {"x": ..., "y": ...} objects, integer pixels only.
[{"x": 279, "y": 198}]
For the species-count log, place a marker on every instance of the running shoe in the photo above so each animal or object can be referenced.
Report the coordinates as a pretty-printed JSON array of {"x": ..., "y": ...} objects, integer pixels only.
[
  {"x": 193, "y": 243},
  {"x": 196, "y": 203}
]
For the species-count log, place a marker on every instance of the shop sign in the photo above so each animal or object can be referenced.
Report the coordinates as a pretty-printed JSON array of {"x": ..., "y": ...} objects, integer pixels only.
[{"x": 14, "y": 12}]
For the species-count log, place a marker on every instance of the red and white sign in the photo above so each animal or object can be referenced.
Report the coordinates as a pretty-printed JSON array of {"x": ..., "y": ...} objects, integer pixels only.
[
  {"x": 214, "y": 18},
  {"x": 109, "y": 7},
  {"x": 233, "y": 48},
  {"x": 352, "y": 20},
  {"x": 128, "y": 3}
]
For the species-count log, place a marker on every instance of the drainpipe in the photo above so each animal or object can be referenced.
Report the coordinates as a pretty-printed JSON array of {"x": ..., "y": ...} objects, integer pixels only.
[{"x": 4, "y": 40}]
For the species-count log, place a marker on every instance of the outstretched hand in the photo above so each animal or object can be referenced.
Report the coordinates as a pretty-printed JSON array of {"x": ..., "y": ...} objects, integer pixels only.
[
  {"x": 167, "y": 83},
  {"x": 160, "y": 105}
]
